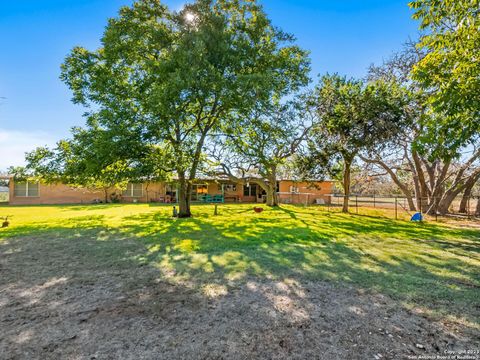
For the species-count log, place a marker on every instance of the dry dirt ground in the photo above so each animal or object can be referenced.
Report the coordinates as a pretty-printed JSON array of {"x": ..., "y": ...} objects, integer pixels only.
[{"x": 59, "y": 300}]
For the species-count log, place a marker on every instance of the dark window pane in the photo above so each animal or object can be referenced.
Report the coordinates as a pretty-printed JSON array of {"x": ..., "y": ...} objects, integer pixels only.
[
  {"x": 128, "y": 190},
  {"x": 20, "y": 189},
  {"x": 137, "y": 190},
  {"x": 32, "y": 189}
]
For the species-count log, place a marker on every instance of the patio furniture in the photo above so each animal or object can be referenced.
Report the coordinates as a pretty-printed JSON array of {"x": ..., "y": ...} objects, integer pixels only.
[
  {"x": 218, "y": 199},
  {"x": 212, "y": 199},
  {"x": 205, "y": 198}
]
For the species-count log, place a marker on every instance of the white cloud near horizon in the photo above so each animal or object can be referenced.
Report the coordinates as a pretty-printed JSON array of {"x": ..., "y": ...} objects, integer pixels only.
[{"x": 15, "y": 143}]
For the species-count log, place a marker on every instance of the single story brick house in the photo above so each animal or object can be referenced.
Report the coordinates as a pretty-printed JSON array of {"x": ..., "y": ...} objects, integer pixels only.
[{"x": 289, "y": 191}]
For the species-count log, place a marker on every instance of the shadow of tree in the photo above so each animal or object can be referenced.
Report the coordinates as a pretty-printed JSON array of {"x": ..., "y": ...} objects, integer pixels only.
[
  {"x": 89, "y": 296},
  {"x": 427, "y": 268},
  {"x": 417, "y": 271}
]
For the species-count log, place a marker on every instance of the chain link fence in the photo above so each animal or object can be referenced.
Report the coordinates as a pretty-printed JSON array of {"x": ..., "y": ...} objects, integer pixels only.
[{"x": 399, "y": 207}]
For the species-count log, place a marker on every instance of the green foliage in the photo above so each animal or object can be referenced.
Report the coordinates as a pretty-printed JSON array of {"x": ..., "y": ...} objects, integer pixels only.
[
  {"x": 271, "y": 136},
  {"x": 94, "y": 159},
  {"x": 168, "y": 79},
  {"x": 357, "y": 116},
  {"x": 20, "y": 173},
  {"x": 261, "y": 145},
  {"x": 450, "y": 71},
  {"x": 352, "y": 116}
]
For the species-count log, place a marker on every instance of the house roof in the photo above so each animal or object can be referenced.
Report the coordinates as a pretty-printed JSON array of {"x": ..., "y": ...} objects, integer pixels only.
[
  {"x": 307, "y": 180},
  {"x": 222, "y": 178}
]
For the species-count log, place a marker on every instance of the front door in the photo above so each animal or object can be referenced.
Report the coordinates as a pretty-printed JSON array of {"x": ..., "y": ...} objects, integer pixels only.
[{"x": 250, "y": 192}]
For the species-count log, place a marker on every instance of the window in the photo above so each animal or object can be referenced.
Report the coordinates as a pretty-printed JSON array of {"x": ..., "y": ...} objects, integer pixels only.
[
  {"x": 250, "y": 190},
  {"x": 198, "y": 190},
  {"x": 294, "y": 189},
  {"x": 171, "y": 190},
  {"x": 133, "y": 190},
  {"x": 170, "y": 193},
  {"x": 228, "y": 187},
  {"x": 26, "y": 189}
]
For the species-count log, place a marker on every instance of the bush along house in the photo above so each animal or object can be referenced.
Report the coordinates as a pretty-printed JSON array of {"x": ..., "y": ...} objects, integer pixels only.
[{"x": 203, "y": 191}]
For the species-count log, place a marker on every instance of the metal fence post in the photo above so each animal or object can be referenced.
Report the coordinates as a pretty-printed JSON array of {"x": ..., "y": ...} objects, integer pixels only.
[
  {"x": 396, "y": 209},
  {"x": 468, "y": 208}
]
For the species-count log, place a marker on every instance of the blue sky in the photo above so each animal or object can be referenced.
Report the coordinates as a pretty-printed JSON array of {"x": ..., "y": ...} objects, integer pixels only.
[{"x": 344, "y": 36}]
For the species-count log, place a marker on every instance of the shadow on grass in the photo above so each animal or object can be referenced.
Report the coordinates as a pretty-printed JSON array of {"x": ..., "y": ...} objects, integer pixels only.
[{"x": 427, "y": 266}]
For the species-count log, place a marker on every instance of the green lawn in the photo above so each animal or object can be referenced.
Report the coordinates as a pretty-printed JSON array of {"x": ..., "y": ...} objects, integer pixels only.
[{"x": 430, "y": 268}]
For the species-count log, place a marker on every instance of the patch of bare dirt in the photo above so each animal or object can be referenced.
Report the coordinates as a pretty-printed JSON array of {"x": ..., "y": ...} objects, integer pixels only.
[{"x": 60, "y": 300}]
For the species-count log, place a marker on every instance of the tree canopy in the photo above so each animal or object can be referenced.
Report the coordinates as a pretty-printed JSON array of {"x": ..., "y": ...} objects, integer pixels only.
[
  {"x": 352, "y": 116},
  {"x": 260, "y": 145},
  {"x": 174, "y": 77},
  {"x": 450, "y": 71}
]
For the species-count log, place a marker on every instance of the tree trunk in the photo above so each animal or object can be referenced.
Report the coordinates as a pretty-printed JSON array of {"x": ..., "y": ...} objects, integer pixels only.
[
  {"x": 466, "y": 195},
  {"x": 453, "y": 192},
  {"x": 346, "y": 183},
  {"x": 423, "y": 199},
  {"x": 477, "y": 209},
  {"x": 441, "y": 208},
  {"x": 184, "y": 192},
  {"x": 444, "y": 204},
  {"x": 395, "y": 179},
  {"x": 418, "y": 194},
  {"x": 272, "y": 197},
  {"x": 105, "y": 192}
]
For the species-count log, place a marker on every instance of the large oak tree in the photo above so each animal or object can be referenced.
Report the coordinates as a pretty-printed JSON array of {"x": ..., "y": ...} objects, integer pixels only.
[
  {"x": 257, "y": 149},
  {"x": 450, "y": 71},
  {"x": 352, "y": 117},
  {"x": 439, "y": 149},
  {"x": 179, "y": 76}
]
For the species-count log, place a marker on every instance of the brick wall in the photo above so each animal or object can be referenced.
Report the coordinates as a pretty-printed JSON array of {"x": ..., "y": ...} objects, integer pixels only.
[
  {"x": 56, "y": 194},
  {"x": 63, "y": 194},
  {"x": 307, "y": 192}
]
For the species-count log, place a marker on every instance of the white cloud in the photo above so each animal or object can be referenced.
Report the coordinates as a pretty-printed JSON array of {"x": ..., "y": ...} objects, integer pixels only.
[{"x": 14, "y": 144}]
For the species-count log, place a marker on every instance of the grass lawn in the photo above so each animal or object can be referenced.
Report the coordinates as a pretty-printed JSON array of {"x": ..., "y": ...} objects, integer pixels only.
[
  {"x": 430, "y": 269},
  {"x": 434, "y": 267}
]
